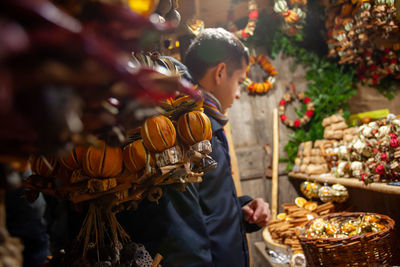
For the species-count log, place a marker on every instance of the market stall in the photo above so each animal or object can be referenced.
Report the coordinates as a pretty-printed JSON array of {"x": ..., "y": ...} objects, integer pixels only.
[{"x": 99, "y": 121}]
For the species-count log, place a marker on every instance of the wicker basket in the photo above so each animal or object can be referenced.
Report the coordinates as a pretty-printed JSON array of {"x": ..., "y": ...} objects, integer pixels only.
[{"x": 371, "y": 249}]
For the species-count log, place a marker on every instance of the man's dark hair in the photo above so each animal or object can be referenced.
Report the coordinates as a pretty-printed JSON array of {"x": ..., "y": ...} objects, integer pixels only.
[{"x": 213, "y": 46}]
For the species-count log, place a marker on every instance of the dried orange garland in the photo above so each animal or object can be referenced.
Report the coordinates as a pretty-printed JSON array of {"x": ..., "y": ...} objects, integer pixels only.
[{"x": 265, "y": 86}]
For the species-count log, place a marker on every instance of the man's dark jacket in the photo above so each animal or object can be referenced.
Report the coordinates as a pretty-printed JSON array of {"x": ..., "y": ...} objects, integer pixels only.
[{"x": 202, "y": 226}]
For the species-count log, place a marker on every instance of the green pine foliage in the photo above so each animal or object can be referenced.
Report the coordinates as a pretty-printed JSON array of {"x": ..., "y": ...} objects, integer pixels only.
[{"x": 329, "y": 86}]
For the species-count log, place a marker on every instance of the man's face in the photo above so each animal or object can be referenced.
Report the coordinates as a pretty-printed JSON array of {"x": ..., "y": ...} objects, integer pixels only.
[{"x": 229, "y": 88}]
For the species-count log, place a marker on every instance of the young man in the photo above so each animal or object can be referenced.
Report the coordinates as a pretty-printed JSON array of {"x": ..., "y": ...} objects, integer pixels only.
[{"x": 206, "y": 224}]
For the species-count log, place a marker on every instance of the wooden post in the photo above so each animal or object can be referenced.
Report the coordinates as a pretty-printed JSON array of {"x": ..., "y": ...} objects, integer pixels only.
[
  {"x": 197, "y": 9},
  {"x": 275, "y": 165},
  {"x": 234, "y": 162}
]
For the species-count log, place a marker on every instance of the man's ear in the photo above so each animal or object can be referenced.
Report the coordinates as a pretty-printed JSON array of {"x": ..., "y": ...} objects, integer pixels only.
[{"x": 220, "y": 72}]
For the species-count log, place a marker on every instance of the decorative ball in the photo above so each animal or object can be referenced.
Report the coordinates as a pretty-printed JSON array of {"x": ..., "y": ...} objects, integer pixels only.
[
  {"x": 143, "y": 7},
  {"x": 340, "y": 193},
  {"x": 310, "y": 190},
  {"x": 194, "y": 127},
  {"x": 102, "y": 160},
  {"x": 325, "y": 193},
  {"x": 315, "y": 187},
  {"x": 43, "y": 166},
  {"x": 73, "y": 160},
  {"x": 158, "y": 133},
  {"x": 136, "y": 156},
  {"x": 304, "y": 188}
]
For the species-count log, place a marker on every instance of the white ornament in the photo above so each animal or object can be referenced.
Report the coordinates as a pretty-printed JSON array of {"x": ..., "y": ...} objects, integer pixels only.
[{"x": 383, "y": 131}]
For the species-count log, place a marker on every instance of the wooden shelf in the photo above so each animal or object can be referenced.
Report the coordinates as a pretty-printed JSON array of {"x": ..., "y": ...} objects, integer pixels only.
[{"x": 350, "y": 182}]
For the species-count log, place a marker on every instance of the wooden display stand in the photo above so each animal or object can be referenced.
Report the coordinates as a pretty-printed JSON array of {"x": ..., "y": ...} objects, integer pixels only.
[{"x": 351, "y": 182}]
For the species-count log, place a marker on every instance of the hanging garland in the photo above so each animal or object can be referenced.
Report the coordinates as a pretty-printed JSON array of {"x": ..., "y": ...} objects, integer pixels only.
[
  {"x": 289, "y": 97},
  {"x": 247, "y": 31},
  {"x": 265, "y": 86},
  {"x": 365, "y": 33},
  {"x": 294, "y": 18}
]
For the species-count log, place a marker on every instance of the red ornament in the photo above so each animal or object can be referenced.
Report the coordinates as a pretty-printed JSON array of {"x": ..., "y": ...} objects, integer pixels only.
[
  {"x": 282, "y": 102},
  {"x": 309, "y": 113},
  {"x": 363, "y": 177},
  {"x": 283, "y": 117},
  {"x": 251, "y": 87},
  {"x": 375, "y": 76},
  {"x": 363, "y": 68},
  {"x": 375, "y": 150},
  {"x": 380, "y": 169},
  {"x": 373, "y": 67},
  {"x": 384, "y": 157},
  {"x": 392, "y": 135},
  {"x": 393, "y": 61},
  {"x": 307, "y": 100},
  {"x": 361, "y": 77},
  {"x": 387, "y": 50},
  {"x": 388, "y": 71},
  {"x": 383, "y": 59},
  {"x": 296, "y": 123},
  {"x": 253, "y": 14},
  {"x": 374, "y": 82},
  {"x": 394, "y": 142},
  {"x": 245, "y": 34}
]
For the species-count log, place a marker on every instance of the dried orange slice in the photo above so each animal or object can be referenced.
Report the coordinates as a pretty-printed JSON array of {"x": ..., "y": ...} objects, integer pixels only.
[
  {"x": 310, "y": 205},
  {"x": 300, "y": 201},
  {"x": 281, "y": 216}
]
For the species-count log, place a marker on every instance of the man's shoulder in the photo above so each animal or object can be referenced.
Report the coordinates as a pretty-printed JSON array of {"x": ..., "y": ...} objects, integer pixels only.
[
  {"x": 215, "y": 125},
  {"x": 183, "y": 70}
]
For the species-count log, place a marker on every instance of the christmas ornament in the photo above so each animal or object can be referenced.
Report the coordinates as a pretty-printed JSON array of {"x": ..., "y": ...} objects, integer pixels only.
[
  {"x": 338, "y": 227},
  {"x": 364, "y": 33},
  {"x": 102, "y": 160},
  {"x": 325, "y": 193},
  {"x": 340, "y": 193},
  {"x": 136, "y": 156},
  {"x": 309, "y": 189},
  {"x": 294, "y": 17},
  {"x": 248, "y": 30},
  {"x": 73, "y": 160},
  {"x": 194, "y": 127},
  {"x": 143, "y": 7},
  {"x": 43, "y": 166},
  {"x": 158, "y": 133},
  {"x": 289, "y": 97},
  {"x": 265, "y": 86},
  {"x": 195, "y": 26}
]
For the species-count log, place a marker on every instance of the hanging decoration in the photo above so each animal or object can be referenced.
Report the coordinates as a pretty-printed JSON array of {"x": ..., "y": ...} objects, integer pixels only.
[
  {"x": 265, "y": 86},
  {"x": 195, "y": 26},
  {"x": 310, "y": 189},
  {"x": 154, "y": 159},
  {"x": 325, "y": 193},
  {"x": 340, "y": 193},
  {"x": 289, "y": 97},
  {"x": 143, "y": 7},
  {"x": 250, "y": 27},
  {"x": 293, "y": 16},
  {"x": 365, "y": 33}
]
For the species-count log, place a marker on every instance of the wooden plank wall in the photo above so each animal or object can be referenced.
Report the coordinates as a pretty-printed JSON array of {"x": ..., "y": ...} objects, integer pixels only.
[{"x": 251, "y": 124}]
